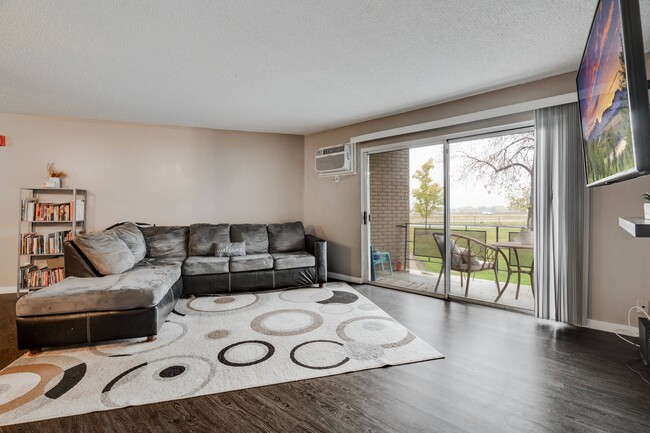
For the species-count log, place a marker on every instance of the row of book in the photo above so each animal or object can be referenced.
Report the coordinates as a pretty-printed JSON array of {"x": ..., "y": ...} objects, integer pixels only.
[
  {"x": 47, "y": 243},
  {"x": 31, "y": 276},
  {"x": 32, "y": 210}
]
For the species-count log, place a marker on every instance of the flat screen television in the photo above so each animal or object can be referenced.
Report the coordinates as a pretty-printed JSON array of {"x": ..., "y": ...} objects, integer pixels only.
[{"x": 613, "y": 95}]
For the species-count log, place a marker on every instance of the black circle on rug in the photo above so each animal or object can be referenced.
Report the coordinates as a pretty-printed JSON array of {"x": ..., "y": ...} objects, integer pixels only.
[
  {"x": 340, "y": 297},
  {"x": 172, "y": 377},
  {"x": 269, "y": 353},
  {"x": 292, "y": 355}
]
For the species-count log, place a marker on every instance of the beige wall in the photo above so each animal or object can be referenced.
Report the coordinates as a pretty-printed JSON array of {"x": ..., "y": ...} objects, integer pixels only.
[
  {"x": 620, "y": 264},
  {"x": 162, "y": 175}
]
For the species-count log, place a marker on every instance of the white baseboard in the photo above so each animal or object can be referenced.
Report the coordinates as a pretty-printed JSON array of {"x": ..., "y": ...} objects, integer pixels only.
[
  {"x": 344, "y": 278},
  {"x": 612, "y": 327},
  {"x": 5, "y": 290}
]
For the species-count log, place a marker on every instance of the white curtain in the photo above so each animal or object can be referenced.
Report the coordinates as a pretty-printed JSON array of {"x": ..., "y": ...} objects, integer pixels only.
[{"x": 561, "y": 216}]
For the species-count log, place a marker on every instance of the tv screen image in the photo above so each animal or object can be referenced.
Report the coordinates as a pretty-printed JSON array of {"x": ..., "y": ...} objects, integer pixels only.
[{"x": 612, "y": 95}]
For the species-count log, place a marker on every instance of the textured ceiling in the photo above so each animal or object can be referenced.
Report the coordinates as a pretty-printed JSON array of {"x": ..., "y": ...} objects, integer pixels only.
[{"x": 293, "y": 66}]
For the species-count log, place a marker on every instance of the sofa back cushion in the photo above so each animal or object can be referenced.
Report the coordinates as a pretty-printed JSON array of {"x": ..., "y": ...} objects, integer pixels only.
[
  {"x": 204, "y": 237},
  {"x": 255, "y": 236},
  {"x": 166, "y": 241},
  {"x": 106, "y": 251},
  {"x": 287, "y": 237},
  {"x": 131, "y": 235}
]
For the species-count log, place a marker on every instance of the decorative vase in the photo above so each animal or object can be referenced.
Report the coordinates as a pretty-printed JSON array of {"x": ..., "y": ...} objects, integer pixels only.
[
  {"x": 399, "y": 267},
  {"x": 646, "y": 211}
]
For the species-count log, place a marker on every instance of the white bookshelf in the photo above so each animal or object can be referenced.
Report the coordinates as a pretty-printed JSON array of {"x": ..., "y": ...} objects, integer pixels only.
[{"x": 75, "y": 222}]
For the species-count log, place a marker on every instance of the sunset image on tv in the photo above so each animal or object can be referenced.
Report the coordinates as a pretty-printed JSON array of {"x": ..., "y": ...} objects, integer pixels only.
[{"x": 603, "y": 94}]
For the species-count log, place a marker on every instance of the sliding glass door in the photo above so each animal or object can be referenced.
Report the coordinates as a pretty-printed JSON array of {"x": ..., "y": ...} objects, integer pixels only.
[
  {"x": 463, "y": 204},
  {"x": 491, "y": 218},
  {"x": 407, "y": 211}
]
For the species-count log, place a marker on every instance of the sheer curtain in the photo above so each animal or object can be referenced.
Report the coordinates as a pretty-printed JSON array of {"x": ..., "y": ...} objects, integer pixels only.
[{"x": 561, "y": 216}]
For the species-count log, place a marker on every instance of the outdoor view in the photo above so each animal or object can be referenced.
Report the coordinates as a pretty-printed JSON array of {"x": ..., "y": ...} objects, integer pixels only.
[{"x": 491, "y": 218}]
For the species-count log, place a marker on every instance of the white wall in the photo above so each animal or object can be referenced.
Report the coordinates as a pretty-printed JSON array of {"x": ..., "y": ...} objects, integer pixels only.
[{"x": 156, "y": 174}]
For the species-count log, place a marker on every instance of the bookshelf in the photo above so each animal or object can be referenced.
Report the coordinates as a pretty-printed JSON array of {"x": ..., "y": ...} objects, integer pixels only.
[{"x": 48, "y": 217}]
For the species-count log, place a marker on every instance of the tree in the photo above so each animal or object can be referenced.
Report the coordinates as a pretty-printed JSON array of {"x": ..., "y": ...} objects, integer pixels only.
[
  {"x": 429, "y": 196},
  {"x": 504, "y": 163}
]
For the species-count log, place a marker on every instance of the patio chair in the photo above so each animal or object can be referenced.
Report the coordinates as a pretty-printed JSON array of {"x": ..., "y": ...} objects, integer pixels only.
[
  {"x": 468, "y": 256},
  {"x": 380, "y": 258}
]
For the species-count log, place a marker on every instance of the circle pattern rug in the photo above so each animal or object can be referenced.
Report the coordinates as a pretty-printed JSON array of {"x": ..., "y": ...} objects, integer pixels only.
[{"x": 213, "y": 344}]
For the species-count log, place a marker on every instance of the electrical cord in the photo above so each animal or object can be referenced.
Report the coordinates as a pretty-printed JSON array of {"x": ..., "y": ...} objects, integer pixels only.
[
  {"x": 629, "y": 324},
  {"x": 629, "y": 365}
]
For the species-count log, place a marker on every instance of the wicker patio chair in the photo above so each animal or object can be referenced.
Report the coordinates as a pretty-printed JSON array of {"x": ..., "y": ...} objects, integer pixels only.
[{"x": 469, "y": 256}]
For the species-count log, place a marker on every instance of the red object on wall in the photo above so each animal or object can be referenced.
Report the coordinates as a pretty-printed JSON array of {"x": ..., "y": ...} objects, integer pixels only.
[{"x": 3, "y": 140}]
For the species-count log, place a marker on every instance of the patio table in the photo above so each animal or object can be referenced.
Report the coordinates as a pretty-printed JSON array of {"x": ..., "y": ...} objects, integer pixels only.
[{"x": 517, "y": 268}]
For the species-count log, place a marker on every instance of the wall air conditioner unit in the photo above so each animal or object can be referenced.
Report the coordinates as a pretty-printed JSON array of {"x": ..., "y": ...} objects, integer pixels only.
[{"x": 335, "y": 160}]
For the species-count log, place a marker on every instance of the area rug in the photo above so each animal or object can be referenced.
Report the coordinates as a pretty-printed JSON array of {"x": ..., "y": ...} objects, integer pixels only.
[{"x": 210, "y": 345}]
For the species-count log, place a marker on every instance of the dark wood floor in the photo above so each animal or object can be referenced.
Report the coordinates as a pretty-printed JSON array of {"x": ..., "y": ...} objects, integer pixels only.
[{"x": 503, "y": 372}]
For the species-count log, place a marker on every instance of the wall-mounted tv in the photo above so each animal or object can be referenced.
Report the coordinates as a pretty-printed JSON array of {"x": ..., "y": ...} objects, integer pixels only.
[{"x": 613, "y": 95}]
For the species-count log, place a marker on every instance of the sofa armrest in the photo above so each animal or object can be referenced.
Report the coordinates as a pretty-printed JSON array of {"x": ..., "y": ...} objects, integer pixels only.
[
  {"x": 318, "y": 247},
  {"x": 76, "y": 263}
]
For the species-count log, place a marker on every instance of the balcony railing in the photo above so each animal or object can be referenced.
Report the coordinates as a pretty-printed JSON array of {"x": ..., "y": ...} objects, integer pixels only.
[{"x": 420, "y": 246}]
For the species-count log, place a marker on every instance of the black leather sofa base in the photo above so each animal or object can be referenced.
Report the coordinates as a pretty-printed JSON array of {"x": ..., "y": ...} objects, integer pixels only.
[
  {"x": 36, "y": 332},
  {"x": 236, "y": 282}
]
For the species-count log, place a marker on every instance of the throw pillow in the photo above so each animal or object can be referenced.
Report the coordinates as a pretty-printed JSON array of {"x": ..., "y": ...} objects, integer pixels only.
[
  {"x": 230, "y": 249},
  {"x": 107, "y": 252},
  {"x": 133, "y": 238},
  {"x": 470, "y": 258}
]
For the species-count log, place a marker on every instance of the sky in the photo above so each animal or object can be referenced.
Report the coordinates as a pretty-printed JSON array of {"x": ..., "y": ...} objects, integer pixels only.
[
  {"x": 600, "y": 65},
  {"x": 463, "y": 193}
]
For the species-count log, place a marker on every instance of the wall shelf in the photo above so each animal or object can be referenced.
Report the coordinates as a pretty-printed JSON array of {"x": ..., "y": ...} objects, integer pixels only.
[{"x": 636, "y": 226}]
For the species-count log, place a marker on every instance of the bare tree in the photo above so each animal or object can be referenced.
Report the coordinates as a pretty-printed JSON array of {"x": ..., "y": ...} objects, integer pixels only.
[{"x": 504, "y": 163}]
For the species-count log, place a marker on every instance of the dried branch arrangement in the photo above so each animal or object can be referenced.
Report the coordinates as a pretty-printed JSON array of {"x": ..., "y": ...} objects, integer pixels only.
[{"x": 54, "y": 172}]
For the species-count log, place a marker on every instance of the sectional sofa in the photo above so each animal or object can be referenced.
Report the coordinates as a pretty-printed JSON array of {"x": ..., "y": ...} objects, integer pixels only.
[{"x": 123, "y": 282}]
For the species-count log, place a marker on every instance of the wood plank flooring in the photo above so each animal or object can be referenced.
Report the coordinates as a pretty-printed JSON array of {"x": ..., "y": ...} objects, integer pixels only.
[{"x": 503, "y": 372}]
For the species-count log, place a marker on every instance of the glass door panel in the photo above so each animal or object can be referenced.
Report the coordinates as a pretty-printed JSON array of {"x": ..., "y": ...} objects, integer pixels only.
[
  {"x": 407, "y": 202},
  {"x": 491, "y": 211}
]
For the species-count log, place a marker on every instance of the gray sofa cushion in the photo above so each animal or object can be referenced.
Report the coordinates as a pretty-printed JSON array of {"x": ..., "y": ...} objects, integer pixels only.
[
  {"x": 251, "y": 262},
  {"x": 200, "y": 265},
  {"x": 295, "y": 259},
  {"x": 230, "y": 249},
  {"x": 286, "y": 237},
  {"x": 204, "y": 237},
  {"x": 142, "y": 287},
  {"x": 166, "y": 241},
  {"x": 107, "y": 252},
  {"x": 255, "y": 236},
  {"x": 133, "y": 238}
]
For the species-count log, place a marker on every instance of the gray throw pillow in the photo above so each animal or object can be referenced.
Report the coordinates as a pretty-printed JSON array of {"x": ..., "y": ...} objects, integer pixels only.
[
  {"x": 133, "y": 238},
  {"x": 230, "y": 249},
  {"x": 108, "y": 253}
]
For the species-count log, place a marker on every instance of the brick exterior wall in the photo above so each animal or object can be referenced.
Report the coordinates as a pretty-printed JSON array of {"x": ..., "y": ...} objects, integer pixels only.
[{"x": 389, "y": 201}]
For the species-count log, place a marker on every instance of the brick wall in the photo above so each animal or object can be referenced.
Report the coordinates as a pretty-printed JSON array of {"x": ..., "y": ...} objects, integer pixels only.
[{"x": 389, "y": 201}]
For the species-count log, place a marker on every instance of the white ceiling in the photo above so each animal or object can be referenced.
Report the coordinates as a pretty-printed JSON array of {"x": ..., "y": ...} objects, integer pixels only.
[{"x": 292, "y": 66}]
